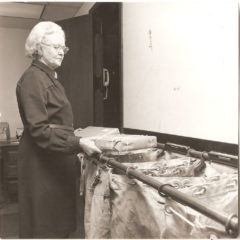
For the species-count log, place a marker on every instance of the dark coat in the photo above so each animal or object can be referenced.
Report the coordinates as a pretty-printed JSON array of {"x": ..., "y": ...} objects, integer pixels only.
[{"x": 47, "y": 171}]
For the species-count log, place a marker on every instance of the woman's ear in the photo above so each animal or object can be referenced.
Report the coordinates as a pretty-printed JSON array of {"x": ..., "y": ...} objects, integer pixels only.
[{"x": 39, "y": 50}]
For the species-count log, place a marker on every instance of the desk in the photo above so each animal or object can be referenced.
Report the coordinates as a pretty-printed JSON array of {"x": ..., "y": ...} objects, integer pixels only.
[{"x": 9, "y": 165}]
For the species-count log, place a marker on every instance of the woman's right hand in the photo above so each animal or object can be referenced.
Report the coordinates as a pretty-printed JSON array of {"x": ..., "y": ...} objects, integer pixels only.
[{"x": 89, "y": 147}]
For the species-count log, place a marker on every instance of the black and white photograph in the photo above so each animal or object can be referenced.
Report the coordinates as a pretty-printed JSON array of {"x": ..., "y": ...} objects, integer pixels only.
[{"x": 119, "y": 120}]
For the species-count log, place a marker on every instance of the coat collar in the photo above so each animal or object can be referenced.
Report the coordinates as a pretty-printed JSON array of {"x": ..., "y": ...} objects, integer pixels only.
[{"x": 51, "y": 73}]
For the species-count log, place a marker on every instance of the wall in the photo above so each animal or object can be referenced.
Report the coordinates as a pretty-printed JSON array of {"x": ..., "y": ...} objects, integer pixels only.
[
  {"x": 85, "y": 8},
  {"x": 180, "y": 68},
  {"x": 13, "y": 63}
]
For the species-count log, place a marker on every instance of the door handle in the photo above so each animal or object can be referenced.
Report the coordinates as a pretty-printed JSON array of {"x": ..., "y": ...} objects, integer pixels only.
[{"x": 106, "y": 82}]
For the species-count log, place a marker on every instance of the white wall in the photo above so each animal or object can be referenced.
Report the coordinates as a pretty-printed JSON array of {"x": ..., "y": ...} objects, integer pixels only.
[
  {"x": 12, "y": 64},
  {"x": 180, "y": 68}
]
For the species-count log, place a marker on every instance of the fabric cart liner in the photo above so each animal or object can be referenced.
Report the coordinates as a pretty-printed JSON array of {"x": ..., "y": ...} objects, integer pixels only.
[{"x": 134, "y": 208}]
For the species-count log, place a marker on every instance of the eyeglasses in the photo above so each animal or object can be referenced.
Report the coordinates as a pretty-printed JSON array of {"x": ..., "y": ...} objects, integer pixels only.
[{"x": 57, "y": 47}]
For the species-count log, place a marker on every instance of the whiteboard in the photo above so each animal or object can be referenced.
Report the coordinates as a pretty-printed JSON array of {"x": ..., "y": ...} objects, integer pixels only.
[{"x": 180, "y": 68}]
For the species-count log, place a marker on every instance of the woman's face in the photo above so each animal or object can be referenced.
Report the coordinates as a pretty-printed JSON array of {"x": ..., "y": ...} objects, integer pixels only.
[{"x": 53, "y": 49}]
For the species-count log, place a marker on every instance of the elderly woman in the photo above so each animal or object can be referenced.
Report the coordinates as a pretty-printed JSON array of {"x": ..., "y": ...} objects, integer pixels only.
[{"x": 48, "y": 147}]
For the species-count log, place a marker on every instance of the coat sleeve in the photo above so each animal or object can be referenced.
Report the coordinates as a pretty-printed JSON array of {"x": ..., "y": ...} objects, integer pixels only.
[{"x": 32, "y": 97}]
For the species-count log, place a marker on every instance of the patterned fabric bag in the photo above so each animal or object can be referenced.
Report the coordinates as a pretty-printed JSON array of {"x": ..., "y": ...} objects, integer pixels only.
[
  {"x": 181, "y": 167},
  {"x": 218, "y": 192},
  {"x": 97, "y": 216},
  {"x": 121, "y": 207},
  {"x": 136, "y": 209}
]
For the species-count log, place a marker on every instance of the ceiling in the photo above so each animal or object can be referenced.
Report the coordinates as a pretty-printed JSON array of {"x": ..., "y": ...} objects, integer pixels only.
[{"x": 27, "y": 14}]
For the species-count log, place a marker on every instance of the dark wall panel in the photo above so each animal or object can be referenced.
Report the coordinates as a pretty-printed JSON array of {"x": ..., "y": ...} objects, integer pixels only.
[{"x": 76, "y": 73}]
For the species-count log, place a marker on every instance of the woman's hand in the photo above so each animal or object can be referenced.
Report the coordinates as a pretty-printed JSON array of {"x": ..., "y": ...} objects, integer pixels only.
[{"x": 88, "y": 146}]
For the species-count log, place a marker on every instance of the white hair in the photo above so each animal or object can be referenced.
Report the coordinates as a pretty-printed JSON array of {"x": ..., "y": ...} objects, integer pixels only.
[{"x": 37, "y": 34}]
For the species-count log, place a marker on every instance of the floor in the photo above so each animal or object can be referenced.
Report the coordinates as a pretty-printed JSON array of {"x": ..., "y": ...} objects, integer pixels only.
[{"x": 8, "y": 215}]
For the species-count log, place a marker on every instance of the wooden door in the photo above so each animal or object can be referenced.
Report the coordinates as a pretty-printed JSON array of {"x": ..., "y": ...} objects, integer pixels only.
[
  {"x": 76, "y": 72},
  {"x": 107, "y": 64}
]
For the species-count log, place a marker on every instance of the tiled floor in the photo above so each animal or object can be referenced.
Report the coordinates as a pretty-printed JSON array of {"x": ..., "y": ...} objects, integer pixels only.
[{"x": 8, "y": 216}]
